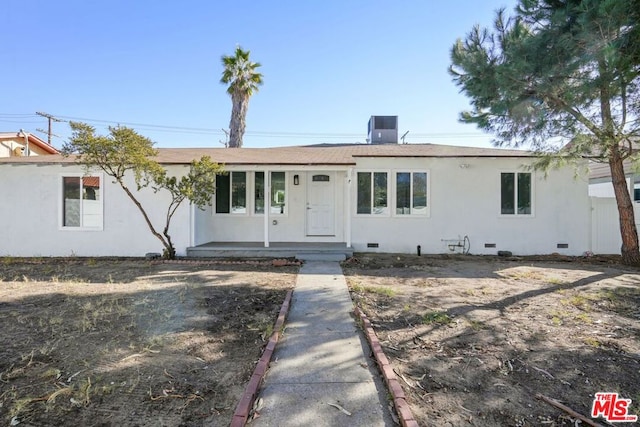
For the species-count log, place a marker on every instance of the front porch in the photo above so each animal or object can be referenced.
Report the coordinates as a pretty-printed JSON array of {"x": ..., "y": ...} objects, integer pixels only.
[{"x": 306, "y": 251}]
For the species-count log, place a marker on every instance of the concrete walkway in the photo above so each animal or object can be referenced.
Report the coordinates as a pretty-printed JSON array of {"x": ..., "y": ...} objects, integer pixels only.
[{"x": 320, "y": 360}]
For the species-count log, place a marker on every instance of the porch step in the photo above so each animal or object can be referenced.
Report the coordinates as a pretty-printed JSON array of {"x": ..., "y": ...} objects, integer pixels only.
[
  {"x": 302, "y": 251},
  {"x": 321, "y": 256}
]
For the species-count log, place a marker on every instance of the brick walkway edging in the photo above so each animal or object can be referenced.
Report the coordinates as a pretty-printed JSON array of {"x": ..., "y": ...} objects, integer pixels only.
[
  {"x": 390, "y": 378},
  {"x": 251, "y": 391}
]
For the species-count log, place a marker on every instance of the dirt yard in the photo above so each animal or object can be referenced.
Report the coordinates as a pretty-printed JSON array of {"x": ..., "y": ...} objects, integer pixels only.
[
  {"x": 96, "y": 342},
  {"x": 475, "y": 339}
]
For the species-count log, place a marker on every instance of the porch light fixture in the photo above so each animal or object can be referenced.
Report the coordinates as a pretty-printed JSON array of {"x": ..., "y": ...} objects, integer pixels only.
[{"x": 296, "y": 179}]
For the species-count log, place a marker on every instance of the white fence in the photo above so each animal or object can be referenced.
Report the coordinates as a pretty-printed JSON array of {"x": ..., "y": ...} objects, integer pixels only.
[{"x": 605, "y": 225}]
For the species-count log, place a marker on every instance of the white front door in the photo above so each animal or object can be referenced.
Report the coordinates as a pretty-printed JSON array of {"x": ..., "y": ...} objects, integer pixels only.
[{"x": 320, "y": 204}]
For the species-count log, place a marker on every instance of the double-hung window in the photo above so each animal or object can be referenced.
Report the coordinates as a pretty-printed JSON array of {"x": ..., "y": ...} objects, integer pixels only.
[
  {"x": 372, "y": 193},
  {"x": 278, "y": 193},
  {"x": 231, "y": 193},
  {"x": 411, "y": 193},
  {"x": 515, "y": 193},
  {"x": 82, "y": 202}
]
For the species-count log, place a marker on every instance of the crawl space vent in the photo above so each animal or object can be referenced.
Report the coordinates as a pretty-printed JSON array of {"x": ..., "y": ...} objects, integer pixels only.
[
  {"x": 563, "y": 245},
  {"x": 489, "y": 245},
  {"x": 372, "y": 245}
]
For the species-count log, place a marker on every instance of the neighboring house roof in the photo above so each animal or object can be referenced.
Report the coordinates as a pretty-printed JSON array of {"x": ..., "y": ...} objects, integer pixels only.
[
  {"x": 87, "y": 181},
  {"x": 325, "y": 155},
  {"x": 91, "y": 181},
  {"x": 34, "y": 140},
  {"x": 601, "y": 171}
]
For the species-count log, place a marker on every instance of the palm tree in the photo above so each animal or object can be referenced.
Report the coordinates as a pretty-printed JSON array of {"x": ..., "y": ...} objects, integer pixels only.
[{"x": 243, "y": 79}]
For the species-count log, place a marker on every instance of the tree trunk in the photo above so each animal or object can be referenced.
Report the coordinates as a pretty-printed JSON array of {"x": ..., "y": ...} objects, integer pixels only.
[
  {"x": 170, "y": 252},
  {"x": 238, "y": 120},
  {"x": 169, "y": 249},
  {"x": 630, "y": 251}
]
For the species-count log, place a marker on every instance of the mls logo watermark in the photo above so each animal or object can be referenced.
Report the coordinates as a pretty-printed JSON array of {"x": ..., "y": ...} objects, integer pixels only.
[{"x": 612, "y": 408}]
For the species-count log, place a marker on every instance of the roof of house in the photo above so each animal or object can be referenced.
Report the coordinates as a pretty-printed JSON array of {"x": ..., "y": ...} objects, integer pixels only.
[
  {"x": 313, "y": 155},
  {"x": 17, "y": 136}
]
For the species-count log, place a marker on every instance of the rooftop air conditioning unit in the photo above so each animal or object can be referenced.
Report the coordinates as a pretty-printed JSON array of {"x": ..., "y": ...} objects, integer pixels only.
[{"x": 383, "y": 130}]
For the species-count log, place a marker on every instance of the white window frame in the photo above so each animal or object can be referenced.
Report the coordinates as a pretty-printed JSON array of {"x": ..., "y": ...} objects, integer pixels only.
[
  {"x": 61, "y": 205},
  {"x": 286, "y": 194},
  {"x": 427, "y": 212},
  {"x": 247, "y": 192},
  {"x": 355, "y": 203},
  {"x": 515, "y": 194}
]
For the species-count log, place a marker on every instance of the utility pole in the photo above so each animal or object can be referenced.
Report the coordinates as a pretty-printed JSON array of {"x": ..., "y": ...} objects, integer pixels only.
[
  {"x": 226, "y": 139},
  {"x": 50, "y": 118},
  {"x": 403, "y": 137}
]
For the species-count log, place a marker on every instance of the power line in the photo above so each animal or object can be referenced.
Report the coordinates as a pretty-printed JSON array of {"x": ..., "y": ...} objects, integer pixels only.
[
  {"x": 48, "y": 133},
  {"x": 148, "y": 125},
  {"x": 267, "y": 133},
  {"x": 417, "y": 137},
  {"x": 18, "y": 121},
  {"x": 17, "y": 115}
]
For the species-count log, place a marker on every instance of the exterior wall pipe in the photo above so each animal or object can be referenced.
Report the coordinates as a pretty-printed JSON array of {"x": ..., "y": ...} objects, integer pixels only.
[
  {"x": 26, "y": 140},
  {"x": 347, "y": 199}
]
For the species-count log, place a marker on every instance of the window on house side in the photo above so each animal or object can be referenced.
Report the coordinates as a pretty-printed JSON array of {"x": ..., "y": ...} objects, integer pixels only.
[
  {"x": 231, "y": 193},
  {"x": 515, "y": 190},
  {"x": 82, "y": 206},
  {"x": 411, "y": 193},
  {"x": 372, "y": 193}
]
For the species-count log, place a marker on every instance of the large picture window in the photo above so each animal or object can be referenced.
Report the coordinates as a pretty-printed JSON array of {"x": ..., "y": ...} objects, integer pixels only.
[
  {"x": 515, "y": 191},
  {"x": 411, "y": 193},
  {"x": 372, "y": 193},
  {"x": 231, "y": 193},
  {"x": 81, "y": 202}
]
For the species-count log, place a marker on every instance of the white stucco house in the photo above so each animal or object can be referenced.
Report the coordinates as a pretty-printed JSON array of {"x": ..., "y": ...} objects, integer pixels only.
[{"x": 291, "y": 200}]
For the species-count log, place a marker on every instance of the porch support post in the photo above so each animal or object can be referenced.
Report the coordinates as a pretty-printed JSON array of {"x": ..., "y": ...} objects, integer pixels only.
[
  {"x": 347, "y": 204},
  {"x": 192, "y": 225},
  {"x": 267, "y": 206}
]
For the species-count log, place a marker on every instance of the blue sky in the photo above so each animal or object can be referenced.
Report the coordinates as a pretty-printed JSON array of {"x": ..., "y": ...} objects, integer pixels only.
[{"x": 328, "y": 66}]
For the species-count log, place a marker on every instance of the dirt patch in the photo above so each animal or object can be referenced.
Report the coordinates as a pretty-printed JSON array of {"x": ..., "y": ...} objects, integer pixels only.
[
  {"x": 475, "y": 339},
  {"x": 131, "y": 343}
]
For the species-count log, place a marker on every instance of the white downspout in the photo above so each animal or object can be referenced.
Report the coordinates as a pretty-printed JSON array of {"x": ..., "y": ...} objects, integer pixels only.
[
  {"x": 267, "y": 206},
  {"x": 348, "y": 208}
]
